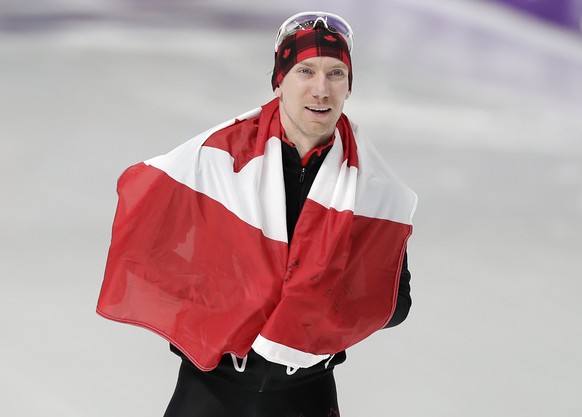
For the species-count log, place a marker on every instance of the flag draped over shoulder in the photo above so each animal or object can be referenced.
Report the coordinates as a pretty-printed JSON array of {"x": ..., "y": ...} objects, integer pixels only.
[{"x": 199, "y": 250}]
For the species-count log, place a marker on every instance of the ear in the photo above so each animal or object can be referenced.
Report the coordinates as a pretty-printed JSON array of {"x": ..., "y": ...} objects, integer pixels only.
[
  {"x": 278, "y": 92},
  {"x": 348, "y": 94}
]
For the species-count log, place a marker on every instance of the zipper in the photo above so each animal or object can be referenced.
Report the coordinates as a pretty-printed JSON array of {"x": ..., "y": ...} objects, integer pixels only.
[{"x": 302, "y": 175}]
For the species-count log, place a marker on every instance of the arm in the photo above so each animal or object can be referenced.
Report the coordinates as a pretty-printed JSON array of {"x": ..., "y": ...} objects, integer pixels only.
[{"x": 404, "y": 300}]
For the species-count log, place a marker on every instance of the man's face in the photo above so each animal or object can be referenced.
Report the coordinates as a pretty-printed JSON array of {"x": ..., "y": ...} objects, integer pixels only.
[{"x": 312, "y": 97}]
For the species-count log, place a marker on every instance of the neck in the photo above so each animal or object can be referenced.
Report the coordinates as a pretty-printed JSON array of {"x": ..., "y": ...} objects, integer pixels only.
[{"x": 303, "y": 142}]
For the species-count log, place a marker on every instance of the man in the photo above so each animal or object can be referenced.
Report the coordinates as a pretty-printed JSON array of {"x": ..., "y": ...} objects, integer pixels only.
[{"x": 264, "y": 247}]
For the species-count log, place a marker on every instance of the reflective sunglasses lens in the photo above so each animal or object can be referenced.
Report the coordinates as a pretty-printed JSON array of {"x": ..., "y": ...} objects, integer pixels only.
[{"x": 309, "y": 20}]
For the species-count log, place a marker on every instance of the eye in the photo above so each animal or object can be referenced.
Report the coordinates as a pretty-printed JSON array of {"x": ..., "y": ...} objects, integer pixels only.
[
  {"x": 304, "y": 70},
  {"x": 337, "y": 73}
]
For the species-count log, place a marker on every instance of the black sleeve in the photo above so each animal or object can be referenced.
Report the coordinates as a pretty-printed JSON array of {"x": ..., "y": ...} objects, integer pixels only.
[{"x": 404, "y": 300}]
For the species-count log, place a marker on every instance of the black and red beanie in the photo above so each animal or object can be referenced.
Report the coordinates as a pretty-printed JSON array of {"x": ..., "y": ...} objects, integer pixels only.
[{"x": 309, "y": 43}]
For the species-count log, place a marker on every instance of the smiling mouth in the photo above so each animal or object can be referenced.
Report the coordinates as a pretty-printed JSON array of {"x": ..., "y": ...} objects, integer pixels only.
[{"x": 319, "y": 110}]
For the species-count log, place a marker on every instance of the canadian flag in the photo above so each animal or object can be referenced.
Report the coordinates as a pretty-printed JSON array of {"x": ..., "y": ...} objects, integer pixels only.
[{"x": 199, "y": 250}]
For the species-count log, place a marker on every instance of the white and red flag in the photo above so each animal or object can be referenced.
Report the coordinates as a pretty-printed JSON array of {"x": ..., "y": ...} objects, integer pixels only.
[{"x": 199, "y": 250}]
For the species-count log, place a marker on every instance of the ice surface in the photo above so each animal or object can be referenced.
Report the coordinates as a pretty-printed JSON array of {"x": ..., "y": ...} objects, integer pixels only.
[{"x": 477, "y": 109}]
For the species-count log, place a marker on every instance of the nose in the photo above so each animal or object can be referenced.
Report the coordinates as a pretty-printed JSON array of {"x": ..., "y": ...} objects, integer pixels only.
[{"x": 320, "y": 86}]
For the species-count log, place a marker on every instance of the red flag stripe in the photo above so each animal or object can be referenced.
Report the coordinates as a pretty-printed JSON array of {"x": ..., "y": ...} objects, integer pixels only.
[{"x": 180, "y": 264}]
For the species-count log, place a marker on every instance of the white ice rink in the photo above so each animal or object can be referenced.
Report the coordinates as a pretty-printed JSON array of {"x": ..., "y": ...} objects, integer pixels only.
[{"x": 479, "y": 110}]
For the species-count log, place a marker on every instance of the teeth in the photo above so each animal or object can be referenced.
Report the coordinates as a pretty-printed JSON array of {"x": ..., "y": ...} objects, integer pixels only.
[{"x": 318, "y": 110}]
